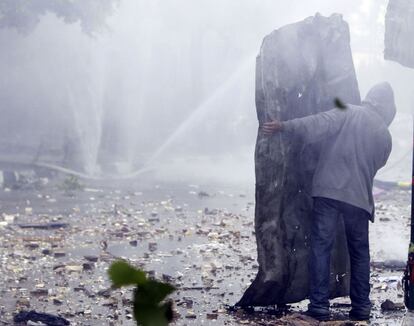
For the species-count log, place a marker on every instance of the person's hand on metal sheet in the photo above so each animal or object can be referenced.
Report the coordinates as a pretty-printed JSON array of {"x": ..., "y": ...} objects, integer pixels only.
[{"x": 271, "y": 127}]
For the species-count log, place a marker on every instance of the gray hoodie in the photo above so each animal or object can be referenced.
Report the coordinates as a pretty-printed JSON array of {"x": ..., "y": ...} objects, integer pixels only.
[{"x": 355, "y": 144}]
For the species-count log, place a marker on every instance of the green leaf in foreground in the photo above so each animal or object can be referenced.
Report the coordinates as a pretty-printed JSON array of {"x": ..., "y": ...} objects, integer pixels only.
[
  {"x": 339, "y": 104},
  {"x": 152, "y": 292},
  {"x": 159, "y": 314},
  {"x": 150, "y": 306},
  {"x": 122, "y": 274}
]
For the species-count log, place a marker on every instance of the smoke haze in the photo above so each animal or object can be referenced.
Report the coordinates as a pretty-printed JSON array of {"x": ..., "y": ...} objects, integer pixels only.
[{"x": 169, "y": 85}]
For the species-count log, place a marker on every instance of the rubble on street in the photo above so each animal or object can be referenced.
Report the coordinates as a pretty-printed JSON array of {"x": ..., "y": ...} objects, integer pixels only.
[{"x": 55, "y": 255}]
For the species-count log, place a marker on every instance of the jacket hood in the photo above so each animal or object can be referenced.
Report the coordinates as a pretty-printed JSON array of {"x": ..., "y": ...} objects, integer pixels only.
[{"x": 381, "y": 99}]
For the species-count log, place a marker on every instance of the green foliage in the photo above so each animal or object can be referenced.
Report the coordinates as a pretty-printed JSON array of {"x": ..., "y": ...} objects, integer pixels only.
[
  {"x": 339, "y": 104},
  {"x": 71, "y": 184},
  {"x": 153, "y": 292},
  {"x": 411, "y": 248},
  {"x": 24, "y": 15},
  {"x": 150, "y": 307},
  {"x": 122, "y": 274}
]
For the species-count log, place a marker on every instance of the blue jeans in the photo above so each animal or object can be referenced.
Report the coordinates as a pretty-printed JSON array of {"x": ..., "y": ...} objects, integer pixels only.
[{"x": 325, "y": 220}]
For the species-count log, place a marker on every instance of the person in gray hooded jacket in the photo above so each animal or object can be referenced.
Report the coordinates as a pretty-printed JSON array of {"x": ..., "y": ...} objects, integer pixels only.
[{"x": 356, "y": 143}]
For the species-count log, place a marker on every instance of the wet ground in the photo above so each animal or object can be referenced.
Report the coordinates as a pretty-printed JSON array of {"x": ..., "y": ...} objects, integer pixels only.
[{"x": 199, "y": 237}]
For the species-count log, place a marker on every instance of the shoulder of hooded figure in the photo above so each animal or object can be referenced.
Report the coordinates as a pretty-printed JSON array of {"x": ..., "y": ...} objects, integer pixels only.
[
  {"x": 349, "y": 112},
  {"x": 351, "y": 109},
  {"x": 380, "y": 132},
  {"x": 366, "y": 113}
]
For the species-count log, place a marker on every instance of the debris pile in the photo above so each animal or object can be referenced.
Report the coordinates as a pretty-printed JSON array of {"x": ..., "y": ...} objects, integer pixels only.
[{"x": 204, "y": 245}]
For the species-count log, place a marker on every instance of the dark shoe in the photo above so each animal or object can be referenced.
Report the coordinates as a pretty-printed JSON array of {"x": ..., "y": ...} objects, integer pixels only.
[
  {"x": 359, "y": 315},
  {"x": 321, "y": 315}
]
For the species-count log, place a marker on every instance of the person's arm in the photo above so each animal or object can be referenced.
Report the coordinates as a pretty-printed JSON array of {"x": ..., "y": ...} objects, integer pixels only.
[{"x": 312, "y": 128}]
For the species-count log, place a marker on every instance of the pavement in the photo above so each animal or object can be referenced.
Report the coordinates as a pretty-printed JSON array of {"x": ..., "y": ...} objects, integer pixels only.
[{"x": 59, "y": 237}]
